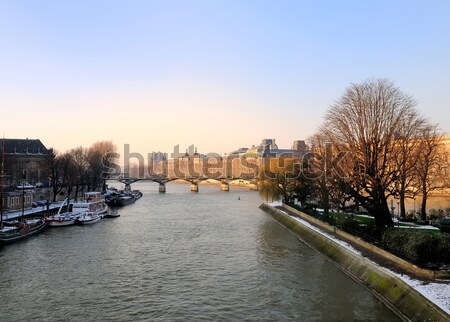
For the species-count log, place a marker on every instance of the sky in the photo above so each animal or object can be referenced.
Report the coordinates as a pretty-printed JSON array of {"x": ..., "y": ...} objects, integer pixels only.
[{"x": 217, "y": 74}]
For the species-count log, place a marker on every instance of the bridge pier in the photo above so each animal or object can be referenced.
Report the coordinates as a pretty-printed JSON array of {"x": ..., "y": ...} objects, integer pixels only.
[
  {"x": 224, "y": 187},
  {"x": 194, "y": 187},
  {"x": 162, "y": 187}
]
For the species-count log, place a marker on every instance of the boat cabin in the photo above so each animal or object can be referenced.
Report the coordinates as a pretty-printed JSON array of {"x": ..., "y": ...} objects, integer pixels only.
[{"x": 93, "y": 203}]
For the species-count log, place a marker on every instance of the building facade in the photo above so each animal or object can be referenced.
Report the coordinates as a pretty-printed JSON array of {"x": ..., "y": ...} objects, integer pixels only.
[
  {"x": 25, "y": 161},
  {"x": 17, "y": 200}
]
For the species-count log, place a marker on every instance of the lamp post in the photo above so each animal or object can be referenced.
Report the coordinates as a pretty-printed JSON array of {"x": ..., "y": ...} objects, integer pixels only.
[
  {"x": 398, "y": 214},
  {"x": 392, "y": 208},
  {"x": 23, "y": 191}
]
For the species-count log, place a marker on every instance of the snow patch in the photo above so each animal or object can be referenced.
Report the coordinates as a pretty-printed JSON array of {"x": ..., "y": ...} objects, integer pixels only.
[
  {"x": 438, "y": 293},
  {"x": 320, "y": 231}
]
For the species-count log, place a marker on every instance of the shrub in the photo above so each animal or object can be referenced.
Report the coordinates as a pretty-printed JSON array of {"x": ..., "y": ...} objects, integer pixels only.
[
  {"x": 417, "y": 247},
  {"x": 371, "y": 231},
  {"x": 433, "y": 214},
  {"x": 443, "y": 249},
  {"x": 349, "y": 224},
  {"x": 421, "y": 248}
]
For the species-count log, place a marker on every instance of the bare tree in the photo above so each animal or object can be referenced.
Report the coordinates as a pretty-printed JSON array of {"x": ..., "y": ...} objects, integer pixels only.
[
  {"x": 318, "y": 169},
  {"x": 70, "y": 177},
  {"x": 405, "y": 154},
  {"x": 54, "y": 168},
  {"x": 80, "y": 167},
  {"x": 428, "y": 163},
  {"x": 98, "y": 160},
  {"x": 278, "y": 177},
  {"x": 268, "y": 189},
  {"x": 363, "y": 124}
]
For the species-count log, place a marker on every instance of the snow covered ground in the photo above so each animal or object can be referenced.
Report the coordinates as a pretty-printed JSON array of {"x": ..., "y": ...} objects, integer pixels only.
[
  {"x": 16, "y": 214},
  {"x": 438, "y": 293}
]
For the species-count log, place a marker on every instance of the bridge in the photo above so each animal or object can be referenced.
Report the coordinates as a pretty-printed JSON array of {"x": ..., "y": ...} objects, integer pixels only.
[{"x": 194, "y": 181}]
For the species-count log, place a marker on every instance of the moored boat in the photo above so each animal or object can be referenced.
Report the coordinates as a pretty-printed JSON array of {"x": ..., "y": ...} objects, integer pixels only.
[
  {"x": 92, "y": 203},
  {"x": 112, "y": 214},
  {"x": 21, "y": 230},
  {"x": 62, "y": 219},
  {"x": 87, "y": 218},
  {"x": 136, "y": 194},
  {"x": 117, "y": 198},
  {"x": 125, "y": 199}
]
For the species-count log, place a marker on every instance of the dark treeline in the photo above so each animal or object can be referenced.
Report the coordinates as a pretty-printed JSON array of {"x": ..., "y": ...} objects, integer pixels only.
[{"x": 79, "y": 169}]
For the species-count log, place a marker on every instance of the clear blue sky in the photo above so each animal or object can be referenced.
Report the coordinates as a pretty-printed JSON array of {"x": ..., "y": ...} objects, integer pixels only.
[{"x": 217, "y": 74}]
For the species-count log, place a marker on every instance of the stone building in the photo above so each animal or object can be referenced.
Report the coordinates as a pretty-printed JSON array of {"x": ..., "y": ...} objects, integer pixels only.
[
  {"x": 17, "y": 200},
  {"x": 25, "y": 161}
]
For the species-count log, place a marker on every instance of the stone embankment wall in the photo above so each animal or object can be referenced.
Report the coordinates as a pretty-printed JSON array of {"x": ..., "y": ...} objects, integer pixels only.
[
  {"x": 409, "y": 304},
  {"x": 397, "y": 261}
]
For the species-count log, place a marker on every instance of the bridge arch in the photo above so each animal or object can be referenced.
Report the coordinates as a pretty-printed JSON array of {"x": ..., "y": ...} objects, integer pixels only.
[{"x": 162, "y": 181}]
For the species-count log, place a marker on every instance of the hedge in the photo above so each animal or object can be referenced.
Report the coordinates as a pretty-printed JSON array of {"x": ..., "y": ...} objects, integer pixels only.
[{"x": 418, "y": 247}]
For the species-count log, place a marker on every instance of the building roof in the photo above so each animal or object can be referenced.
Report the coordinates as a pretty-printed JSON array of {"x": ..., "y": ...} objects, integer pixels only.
[{"x": 24, "y": 146}]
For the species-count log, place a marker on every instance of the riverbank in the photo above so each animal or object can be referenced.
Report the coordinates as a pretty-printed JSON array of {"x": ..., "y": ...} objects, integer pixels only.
[
  {"x": 411, "y": 299},
  {"x": 36, "y": 211}
]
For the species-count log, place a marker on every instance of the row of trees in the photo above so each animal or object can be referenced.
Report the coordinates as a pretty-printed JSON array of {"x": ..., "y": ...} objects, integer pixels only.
[
  {"x": 372, "y": 145},
  {"x": 79, "y": 168}
]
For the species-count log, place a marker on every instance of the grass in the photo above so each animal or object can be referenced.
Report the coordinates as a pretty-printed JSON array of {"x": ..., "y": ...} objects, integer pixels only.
[{"x": 367, "y": 220}]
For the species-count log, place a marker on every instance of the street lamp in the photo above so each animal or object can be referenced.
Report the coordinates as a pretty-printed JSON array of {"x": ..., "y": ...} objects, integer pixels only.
[
  {"x": 392, "y": 208},
  {"x": 23, "y": 190}
]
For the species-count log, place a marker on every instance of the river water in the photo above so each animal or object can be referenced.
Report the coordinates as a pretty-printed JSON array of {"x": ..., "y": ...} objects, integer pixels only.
[{"x": 179, "y": 256}]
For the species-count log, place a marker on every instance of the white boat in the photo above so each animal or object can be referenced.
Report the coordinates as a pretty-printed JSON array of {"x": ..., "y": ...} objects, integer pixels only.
[
  {"x": 87, "y": 218},
  {"x": 62, "y": 219},
  {"x": 65, "y": 219},
  {"x": 92, "y": 203}
]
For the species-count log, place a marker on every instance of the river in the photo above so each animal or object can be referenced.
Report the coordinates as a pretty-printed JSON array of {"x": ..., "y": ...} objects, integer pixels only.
[{"x": 179, "y": 256}]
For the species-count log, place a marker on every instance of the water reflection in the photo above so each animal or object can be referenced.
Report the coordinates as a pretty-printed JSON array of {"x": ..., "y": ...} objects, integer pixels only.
[
  {"x": 317, "y": 289},
  {"x": 177, "y": 257}
]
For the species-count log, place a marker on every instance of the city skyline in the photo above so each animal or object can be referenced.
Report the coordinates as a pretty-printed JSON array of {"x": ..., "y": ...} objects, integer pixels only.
[{"x": 214, "y": 74}]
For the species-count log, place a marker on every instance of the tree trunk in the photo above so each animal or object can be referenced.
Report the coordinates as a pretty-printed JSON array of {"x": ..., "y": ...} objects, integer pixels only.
[
  {"x": 55, "y": 190},
  {"x": 383, "y": 217},
  {"x": 326, "y": 203},
  {"x": 69, "y": 191},
  {"x": 423, "y": 209},
  {"x": 402, "y": 208}
]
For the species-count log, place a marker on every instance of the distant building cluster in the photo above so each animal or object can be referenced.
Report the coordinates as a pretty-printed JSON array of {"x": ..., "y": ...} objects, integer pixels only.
[{"x": 268, "y": 147}]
